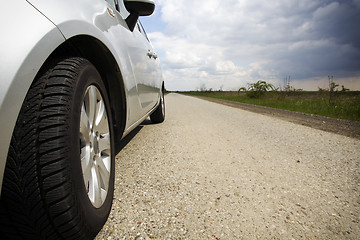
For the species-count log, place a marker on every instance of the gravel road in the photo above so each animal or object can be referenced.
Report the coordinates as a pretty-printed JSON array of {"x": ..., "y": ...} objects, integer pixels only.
[{"x": 215, "y": 172}]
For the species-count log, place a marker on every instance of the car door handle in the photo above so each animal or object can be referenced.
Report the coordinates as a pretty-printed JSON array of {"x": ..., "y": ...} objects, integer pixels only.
[
  {"x": 152, "y": 55},
  {"x": 149, "y": 54}
]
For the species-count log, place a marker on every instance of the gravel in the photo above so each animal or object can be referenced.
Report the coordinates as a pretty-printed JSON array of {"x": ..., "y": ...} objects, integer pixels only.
[
  {"x": 215, "y": 172},
  {"x": 338, "y": 126}
]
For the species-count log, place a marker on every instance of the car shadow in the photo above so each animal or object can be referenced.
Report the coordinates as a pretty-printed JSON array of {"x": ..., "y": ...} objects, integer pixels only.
[
  {"x": 146, "y": 122},
  {"x": 132, "y": 134}
]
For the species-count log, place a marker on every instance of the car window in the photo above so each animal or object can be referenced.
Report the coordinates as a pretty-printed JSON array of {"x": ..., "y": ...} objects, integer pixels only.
[
  {"x": 138, "y": 27},
  {"x": 142, "y": 30}
]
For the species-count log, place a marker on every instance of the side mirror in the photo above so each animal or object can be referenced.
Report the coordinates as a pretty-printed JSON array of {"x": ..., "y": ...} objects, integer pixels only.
[
  {"x": 138, "y": 8},
  {"x": 141, "y": 7}
]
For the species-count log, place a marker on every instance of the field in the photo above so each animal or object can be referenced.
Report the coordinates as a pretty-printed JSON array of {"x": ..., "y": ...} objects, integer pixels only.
[{"x": 341, "y": 105}]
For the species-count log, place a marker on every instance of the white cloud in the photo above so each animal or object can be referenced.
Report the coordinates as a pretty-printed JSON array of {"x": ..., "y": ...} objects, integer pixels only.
[
  {"x": 224, "y": 67},
  {"x": 234, "y": 42}
]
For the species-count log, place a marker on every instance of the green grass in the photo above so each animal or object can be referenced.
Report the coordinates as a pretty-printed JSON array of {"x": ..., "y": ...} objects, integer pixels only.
[{"x": 342, "y": 105}]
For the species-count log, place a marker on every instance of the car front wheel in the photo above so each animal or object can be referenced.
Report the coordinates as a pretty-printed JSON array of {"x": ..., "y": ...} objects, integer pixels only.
[{"x": 59, "y": 176}]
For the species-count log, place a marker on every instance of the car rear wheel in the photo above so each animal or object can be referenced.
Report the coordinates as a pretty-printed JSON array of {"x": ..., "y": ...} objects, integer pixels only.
[
  {"x": 158, "y": 116},
  {"x": 59, "y": 176}
]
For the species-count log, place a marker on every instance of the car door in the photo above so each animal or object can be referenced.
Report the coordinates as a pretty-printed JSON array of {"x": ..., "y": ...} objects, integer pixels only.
[
  {"x": 144, "y": 66},
  {"x": 149, "y": 84},
  {"x": 136, "y": 75}
]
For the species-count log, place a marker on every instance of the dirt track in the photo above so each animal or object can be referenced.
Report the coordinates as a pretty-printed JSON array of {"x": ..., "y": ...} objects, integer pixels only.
[{"x": 217, "y": 172}]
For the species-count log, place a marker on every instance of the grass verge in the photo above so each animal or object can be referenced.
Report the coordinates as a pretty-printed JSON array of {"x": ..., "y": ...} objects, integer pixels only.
[{"x": 341, "y": 105}]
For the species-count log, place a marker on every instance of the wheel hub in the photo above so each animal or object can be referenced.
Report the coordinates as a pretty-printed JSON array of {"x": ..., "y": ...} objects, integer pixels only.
[{"x": 94, "y": 142}]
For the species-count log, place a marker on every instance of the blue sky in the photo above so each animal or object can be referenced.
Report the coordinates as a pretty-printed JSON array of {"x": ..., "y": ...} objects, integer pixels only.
[{"x": 227, "y": 44}]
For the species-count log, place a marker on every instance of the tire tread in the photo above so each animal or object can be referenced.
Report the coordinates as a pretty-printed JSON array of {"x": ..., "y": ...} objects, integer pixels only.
[{"x": 35, "y": 169}]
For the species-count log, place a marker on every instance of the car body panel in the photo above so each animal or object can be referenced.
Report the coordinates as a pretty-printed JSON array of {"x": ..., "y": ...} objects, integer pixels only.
[
  {"x": 129, "y": 47},
  {"x": 39, "y": 43},
  {"x": 144, "y": 68},
  {"x": 57, "y": 21}
]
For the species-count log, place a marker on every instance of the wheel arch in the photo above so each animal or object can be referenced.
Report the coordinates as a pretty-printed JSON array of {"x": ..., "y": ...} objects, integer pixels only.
[
  {"x": 106, "y": 64},
  {"x": 163, "y": 87}
]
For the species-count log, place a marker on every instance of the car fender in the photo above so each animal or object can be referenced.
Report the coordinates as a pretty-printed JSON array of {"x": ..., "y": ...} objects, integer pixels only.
[
  {"x": 26, "y": 49},
  {"x": 99, "y": 20}
]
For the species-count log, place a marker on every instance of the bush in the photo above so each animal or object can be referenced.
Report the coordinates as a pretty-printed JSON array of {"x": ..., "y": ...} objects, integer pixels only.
[{"x": 256, "y": 90}]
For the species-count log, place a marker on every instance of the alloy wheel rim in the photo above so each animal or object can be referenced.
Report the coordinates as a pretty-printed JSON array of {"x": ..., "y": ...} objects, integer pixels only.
[
  {"x": 95, "y": 148},
  {"x": 162, "y": 104}
]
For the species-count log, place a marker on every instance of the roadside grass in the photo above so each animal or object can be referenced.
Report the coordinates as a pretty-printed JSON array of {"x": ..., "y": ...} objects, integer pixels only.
[{"x": 341, "y": 105}]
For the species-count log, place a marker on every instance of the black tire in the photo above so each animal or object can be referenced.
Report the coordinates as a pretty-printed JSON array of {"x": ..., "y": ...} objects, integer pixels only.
[
  {"x": 43, "y": 194},
  {"x": 158, "y": 116}
]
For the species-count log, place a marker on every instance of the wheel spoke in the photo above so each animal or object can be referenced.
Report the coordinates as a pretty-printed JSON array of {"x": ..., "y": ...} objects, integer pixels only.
[
  {"x": 90, "y": 103},
  {"x": 86, "y": 165},
  {"x": 95, "y": 187},
  {"x": 104, "y": 170},
  {"x": 91, "y": 190},
  {"x": 103, "y": 195},
  {"x": 84, "y": 124},
  {"x": 101, "y": 123}
]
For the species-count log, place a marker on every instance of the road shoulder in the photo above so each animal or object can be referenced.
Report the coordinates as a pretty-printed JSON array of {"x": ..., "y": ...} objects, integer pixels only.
[{"x": 338, "y": 126}]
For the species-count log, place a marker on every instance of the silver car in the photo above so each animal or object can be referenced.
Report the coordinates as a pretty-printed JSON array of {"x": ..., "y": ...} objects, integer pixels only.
[{"x": 76, "y": 78}]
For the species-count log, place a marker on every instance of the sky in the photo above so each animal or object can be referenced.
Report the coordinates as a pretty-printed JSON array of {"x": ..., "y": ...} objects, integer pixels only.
[{"x": 228, "y": 44}]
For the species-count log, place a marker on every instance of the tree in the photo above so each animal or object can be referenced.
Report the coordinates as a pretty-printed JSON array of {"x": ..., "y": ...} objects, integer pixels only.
[
  {"x": 332, "y": 85},
  {"x": 203, "y": 87},
  {"x": 287, "y": 86}
]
